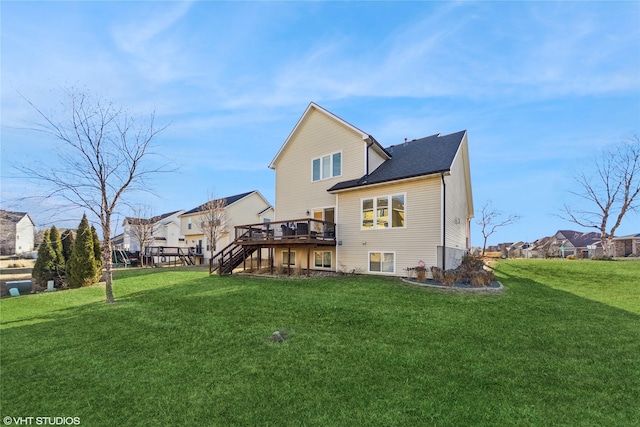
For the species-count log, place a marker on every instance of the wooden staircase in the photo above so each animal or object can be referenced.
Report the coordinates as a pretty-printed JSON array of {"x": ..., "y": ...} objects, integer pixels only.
[
  {"x": 229, "y": 258},
  {"x": 188, "y": 258}
]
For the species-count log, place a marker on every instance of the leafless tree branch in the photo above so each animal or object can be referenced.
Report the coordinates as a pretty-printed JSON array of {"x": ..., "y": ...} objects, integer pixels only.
[
  {"x": 611, "y": 185},
  {"x": 104, "y": 153},
  {"x": 491, "y": 219}
]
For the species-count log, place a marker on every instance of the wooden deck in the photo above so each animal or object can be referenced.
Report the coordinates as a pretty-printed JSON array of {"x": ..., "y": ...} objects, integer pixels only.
[{"x": 305, "y": 231}]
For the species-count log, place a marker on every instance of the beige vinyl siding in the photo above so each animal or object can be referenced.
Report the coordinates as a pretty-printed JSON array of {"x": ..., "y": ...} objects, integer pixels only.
[
  {"x": 375, "y": 159},
  {"x": 457, "y": 204},
  {"x": 243, "y": 211},
  {"x": 301, "y": 257},
  {"x": 417, "y": 241},
  {"x": 318, "y": 135},
  {"x": 195, "y": 225}
]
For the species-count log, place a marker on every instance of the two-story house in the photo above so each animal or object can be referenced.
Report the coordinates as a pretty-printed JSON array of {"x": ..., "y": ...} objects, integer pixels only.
[
  {"x": 17, "y": 233},
  {"x": 160, "y": 230},
  {"x": 346, "y": 203},
  {"x": 250, "y": 207}
]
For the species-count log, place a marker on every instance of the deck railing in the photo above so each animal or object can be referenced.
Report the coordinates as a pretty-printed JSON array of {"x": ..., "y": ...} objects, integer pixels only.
[{"x": 290, "y": 231}]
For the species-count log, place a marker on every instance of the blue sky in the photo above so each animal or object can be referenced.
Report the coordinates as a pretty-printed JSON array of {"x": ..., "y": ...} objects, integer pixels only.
[{"x": 539, "y": 86}]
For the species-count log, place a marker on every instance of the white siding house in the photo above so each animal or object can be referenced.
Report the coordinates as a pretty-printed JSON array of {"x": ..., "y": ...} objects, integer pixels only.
[{"x": 17, "y": 233}]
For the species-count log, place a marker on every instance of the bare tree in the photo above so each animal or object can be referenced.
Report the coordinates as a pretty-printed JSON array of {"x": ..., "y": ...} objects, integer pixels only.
[
  {"x": 213, "y": 221},
  {"x": 491, "y": 219},
  {"x": 141, "y": 227},
  {"x": 611, "y": 185},
  {"x": 104, "y": 153}
]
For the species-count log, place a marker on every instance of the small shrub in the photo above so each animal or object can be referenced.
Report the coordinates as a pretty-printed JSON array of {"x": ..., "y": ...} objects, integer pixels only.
[
  {"x": 571, "y": 257},
  {"x": 471, "y": 263},
  {"x": 16, "y": 265},
  {"x": 437, "y": 274},
  {"x": 410, "y": 272},
  {"x": 601, "y": 257},
  {"x": 449, "y": 277},
  {"x": 459, "y": 275},
  {"x": 421, "y": 273},
  {"x": 481, "y": 278}
]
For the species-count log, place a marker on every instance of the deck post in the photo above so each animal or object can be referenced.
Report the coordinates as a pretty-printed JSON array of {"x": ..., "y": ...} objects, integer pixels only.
[
  {"x": 271, "y": 256},
  {"x": 289, "y": 261},
  {"x": 308, "y": 261}
]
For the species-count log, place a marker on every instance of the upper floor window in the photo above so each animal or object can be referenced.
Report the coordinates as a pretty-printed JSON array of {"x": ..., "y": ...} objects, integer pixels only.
[
  {"x": 326, "y": 167},
  {"x": 383, "y": 212}
]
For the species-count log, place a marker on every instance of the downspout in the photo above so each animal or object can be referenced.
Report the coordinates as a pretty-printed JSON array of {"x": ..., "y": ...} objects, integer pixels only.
[{"x": 444, "y": 221}]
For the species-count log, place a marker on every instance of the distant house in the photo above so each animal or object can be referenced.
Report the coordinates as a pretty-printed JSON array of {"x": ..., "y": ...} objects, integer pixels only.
[
  {"x": 164, "y": 231},
  {"x": 580, "y": 244},
  {"x": 250, "y": 207},
  {"x": 17, "y": 233},
  {"x": 345, "y": 202},
  {"x": 624, "y": 246}
]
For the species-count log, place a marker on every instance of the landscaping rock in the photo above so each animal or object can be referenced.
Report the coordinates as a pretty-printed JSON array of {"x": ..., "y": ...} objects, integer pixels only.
[{"x": 277, "y": 337}]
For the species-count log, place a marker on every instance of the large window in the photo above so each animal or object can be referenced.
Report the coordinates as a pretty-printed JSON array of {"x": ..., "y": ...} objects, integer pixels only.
[
  {"x": 326, "y": 167},
  {"x": 382, "y": 262},
  {"x": 383, "y": 212},
  {"x": 322, "y": 259}
]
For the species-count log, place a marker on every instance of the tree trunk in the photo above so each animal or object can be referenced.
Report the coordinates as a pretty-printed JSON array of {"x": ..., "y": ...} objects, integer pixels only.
[{"x": 107, "y": 259}]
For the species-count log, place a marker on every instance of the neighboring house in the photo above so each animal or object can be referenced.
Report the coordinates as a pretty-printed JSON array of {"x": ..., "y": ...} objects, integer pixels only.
[
  {"x": 164, "y": 230},
  {"x": 515, "y": 250},
  {"x": 580, "y": 244},
  {"x": 250, "y": 207},
  {"x": 346, "y": 203},
  {"x": 17, "y": 233},
  {"x": 624, "y": 246}
]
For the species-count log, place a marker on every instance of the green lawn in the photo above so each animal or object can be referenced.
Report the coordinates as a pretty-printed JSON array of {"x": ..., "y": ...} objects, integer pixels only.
[{"x": 561, "y": 346}]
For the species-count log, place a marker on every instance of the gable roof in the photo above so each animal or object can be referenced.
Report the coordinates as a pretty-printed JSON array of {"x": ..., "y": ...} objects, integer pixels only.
[
  {"x": 151, "y": 220},
  {"x": 227, "y": 201},
  {"x": 13, "y": 217},
  {"x": 315, "y": 107},
  {"x": 581, "y": 239},
  {"x": 425, "y": 156}
]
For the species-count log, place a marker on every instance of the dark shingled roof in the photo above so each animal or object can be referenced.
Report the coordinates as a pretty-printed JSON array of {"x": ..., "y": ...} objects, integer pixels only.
[
  {"x": 11, "y": 216},
  {"x": 228, "y": 201},
  {"x": 152, "y": 220},
  {"x": 424, "y": 156},
  {"x": 580, "y": 239}
]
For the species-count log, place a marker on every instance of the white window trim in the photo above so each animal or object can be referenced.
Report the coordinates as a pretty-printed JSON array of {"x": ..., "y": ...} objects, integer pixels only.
[
  {"x": 322, "y": 267},
  {"x": 381, "y": 253},
  {"x": 295, "y": 258},
  {"x": 375, "y": 209},
  {"x": 331, "y": 175}
]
